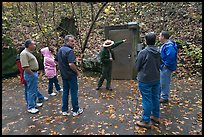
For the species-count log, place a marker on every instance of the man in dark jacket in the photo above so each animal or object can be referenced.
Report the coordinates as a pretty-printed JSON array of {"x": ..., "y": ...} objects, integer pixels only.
[
  {"x": 148, "y": 65},
  {"x": 106, "y": 57},
  {"x": 169, "y": 63},
  {"x": 66, "y": 59}
]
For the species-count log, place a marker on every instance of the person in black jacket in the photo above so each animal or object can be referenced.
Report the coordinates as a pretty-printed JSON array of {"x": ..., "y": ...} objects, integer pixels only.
[{"x": 148, "y": 68}]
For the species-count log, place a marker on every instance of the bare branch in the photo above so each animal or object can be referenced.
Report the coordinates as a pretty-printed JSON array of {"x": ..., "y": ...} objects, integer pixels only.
[
  {"x": 75, "y": 17},
  {"x": 53, "y": 14},
  {"x": 91, "y": 27}
]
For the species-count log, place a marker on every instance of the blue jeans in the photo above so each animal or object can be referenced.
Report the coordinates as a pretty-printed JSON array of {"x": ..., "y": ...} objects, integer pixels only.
[
  {"x": 39, "y": 95},
  {"x": 32, "y": 84},
  {"x": 72, "y": 86},
  {"x": 31, "y": 90},
  {"x": 26, "y": 92},
  {"x": 150, "y": 99},
  {"x": 165, "y": 78},
  {"x": 50, "y": 85}
]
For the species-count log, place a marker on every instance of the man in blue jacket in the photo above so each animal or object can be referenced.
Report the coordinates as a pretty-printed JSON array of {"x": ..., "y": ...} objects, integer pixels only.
[{"x": 169, "y": 63}]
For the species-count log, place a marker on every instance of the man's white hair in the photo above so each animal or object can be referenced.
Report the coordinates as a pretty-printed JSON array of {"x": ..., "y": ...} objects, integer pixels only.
[{"x": 66, "y": 38}]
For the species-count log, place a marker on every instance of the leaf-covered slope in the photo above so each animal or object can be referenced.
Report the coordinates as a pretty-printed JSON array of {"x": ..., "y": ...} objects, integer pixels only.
[{"x": 39, "y": 20}]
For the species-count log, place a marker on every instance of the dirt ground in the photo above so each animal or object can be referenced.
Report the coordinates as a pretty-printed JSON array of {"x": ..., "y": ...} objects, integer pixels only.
[{"x": 105, "y": 112}]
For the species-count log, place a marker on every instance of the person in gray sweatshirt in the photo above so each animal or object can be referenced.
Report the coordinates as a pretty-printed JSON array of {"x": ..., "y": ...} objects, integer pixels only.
[{"x": 148, "y": 67}]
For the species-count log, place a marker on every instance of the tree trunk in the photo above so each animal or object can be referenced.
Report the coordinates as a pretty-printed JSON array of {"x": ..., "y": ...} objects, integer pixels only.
[
  {"x": 37, "y": 19},
  {"x": 91, "y": 27},
  {"x": 77, "y": 24},
  {"x": 92, "y": 11},
  {"x": 53, "y": 14}
]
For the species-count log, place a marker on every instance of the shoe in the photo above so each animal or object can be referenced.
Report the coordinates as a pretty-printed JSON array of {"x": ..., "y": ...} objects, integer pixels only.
[
  {"x": 72, "y": 110},
  {"x": 65, "y": 113},
  {"x": 52, "y": 94},
  {"x": 61, "y": 90},
  {"x": 80, "y": 111},
  {"x": 97, "y": 88},
  {"x": 45, "y": 98},
  {"x": 155, "y": 119},
  {"x": 109, "y": 89},
  {"x": 39, "y": 105},
  {"x": 33, "y": 110},
  {"x": 164, "y": 100},
  {"x": 144, "y": 124},
  {"x": 41, "y": 101},
  {"x": 58, "y": 91}
]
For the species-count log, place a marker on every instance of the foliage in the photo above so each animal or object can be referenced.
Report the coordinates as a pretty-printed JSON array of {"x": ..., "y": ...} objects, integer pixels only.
[
  {"x": 9, "y": 67},
  {"x": 39, "y": 20}
]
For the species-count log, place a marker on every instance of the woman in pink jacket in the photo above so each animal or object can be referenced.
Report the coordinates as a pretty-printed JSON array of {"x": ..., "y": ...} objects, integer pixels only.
[{"x": 50, "y": 71}]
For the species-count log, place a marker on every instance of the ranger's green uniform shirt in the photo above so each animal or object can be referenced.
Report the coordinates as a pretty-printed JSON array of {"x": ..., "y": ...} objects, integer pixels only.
[{"x": 105, "y": 54}]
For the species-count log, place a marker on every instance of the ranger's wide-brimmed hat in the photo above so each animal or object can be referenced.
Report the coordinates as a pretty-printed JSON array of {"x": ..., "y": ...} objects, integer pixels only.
[{"x": 108, "y": 43}]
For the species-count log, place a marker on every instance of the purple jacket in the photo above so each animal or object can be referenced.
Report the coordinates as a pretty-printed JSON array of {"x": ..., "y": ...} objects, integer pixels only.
[{"x": 49, "y": 63}]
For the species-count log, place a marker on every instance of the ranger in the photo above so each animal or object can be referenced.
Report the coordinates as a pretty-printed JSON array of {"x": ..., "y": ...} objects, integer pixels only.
[{"x": 106, "y": 58}]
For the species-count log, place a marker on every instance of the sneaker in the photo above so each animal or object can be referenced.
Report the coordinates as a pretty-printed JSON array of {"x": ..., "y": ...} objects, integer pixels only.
[
  {"x": 80, "y": 111},
  {"x": 39, "y": 105},
  {"x": 61, "y": 90},
  {"x": 52, "y": 94},
  {"x": 164, "y": 100},
  {"x": 144, "y": 124},
  {"x": 155, "y": 119},
  {"x": 58, "y": 91},
  {"x": 65, "y": 113},
  {"x": 45, "y": 98},
  {"x": 41, "y": 101},
  {"x": 33, "y": 110}
]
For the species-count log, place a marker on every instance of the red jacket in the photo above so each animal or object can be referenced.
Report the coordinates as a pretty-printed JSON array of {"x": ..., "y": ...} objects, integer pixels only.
[{"x": 22, "y": 80}]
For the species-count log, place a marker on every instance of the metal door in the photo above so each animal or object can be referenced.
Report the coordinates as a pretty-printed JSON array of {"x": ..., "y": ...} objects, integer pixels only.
[{"x": 123, "y": 67}]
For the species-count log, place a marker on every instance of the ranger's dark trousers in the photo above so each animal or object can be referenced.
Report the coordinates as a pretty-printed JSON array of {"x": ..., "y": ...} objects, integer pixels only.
[{"x": 106, "y": 74}]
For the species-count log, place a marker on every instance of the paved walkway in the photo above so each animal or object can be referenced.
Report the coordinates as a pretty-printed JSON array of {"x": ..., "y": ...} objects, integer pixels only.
[{"x": 105, "y": 112}]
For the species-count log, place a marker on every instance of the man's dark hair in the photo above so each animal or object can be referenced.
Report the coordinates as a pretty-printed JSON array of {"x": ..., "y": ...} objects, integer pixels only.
[
  {"x": 21, "y": 48},
  {"x": 27, "y": 42},
  {"x": 165, "y": 34},
  {"x": 150, "y": 38}
]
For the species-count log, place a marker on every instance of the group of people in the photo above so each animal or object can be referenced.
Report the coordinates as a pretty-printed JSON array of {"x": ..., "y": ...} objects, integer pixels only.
[
  {"x": 154, "y": 67},
  {"x": 66, "y": 60}
]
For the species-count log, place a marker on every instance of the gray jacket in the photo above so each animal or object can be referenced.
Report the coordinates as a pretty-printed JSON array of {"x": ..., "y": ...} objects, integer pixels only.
[{"x": 148, "y": 64}]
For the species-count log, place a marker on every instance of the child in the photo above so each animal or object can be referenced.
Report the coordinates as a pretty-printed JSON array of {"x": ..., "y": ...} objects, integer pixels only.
[{"x": 50, "y": 70}]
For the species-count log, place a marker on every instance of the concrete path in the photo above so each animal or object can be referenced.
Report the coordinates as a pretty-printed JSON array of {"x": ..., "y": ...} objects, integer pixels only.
[{"x": 105, "y": 112}]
